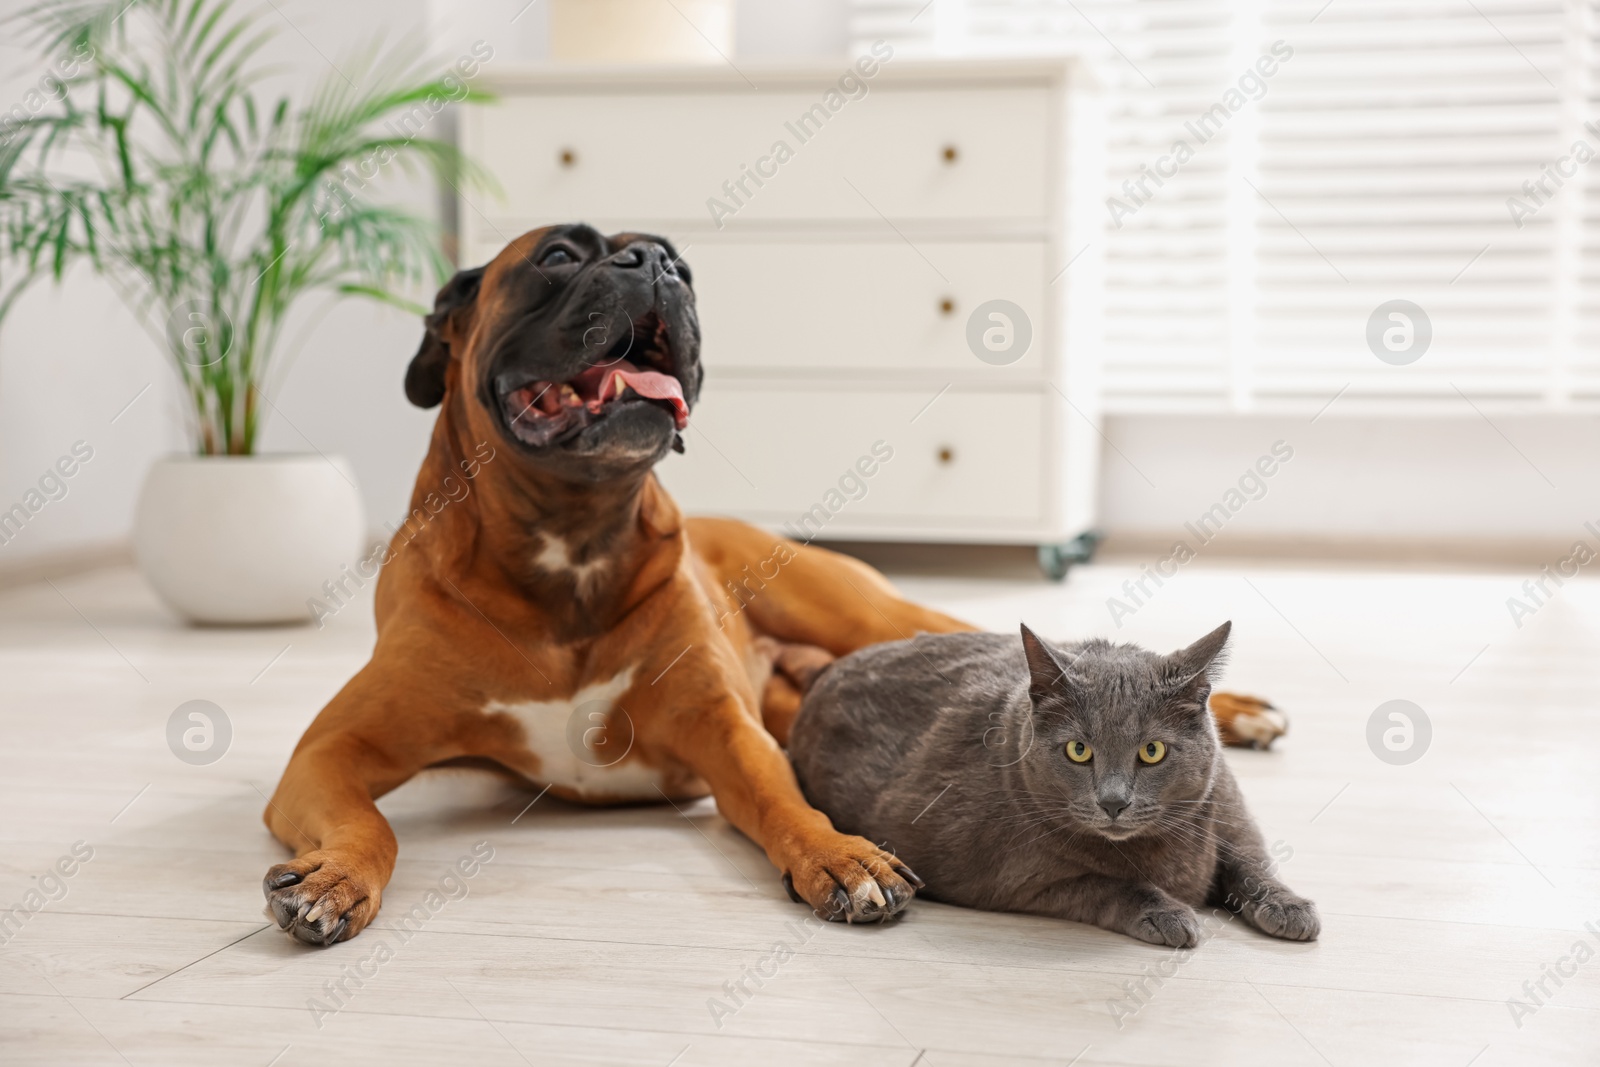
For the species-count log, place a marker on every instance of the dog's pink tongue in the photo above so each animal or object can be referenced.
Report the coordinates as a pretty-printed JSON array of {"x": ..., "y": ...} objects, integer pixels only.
[{"x": 657, "y": 386}]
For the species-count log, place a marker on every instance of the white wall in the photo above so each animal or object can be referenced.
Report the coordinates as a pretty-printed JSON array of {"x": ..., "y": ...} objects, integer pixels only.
[
  {"x": 70, "y": 361},
  {"x": 1524, "y": 479},
  {"x": 791, "y": 29}
]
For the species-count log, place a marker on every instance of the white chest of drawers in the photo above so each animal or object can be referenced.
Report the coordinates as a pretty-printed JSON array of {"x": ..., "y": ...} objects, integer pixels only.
[{"x": 840, "y": 243}]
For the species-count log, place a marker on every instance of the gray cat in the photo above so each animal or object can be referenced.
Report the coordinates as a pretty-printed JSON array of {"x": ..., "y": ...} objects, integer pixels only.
[{"x": 1083, "y": 782}]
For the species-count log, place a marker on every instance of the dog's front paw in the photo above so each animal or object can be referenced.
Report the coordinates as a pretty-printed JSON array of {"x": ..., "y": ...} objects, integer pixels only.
[
  {"x": 1170, "y": 924},
  {"x": 320, "y": 898},
  {"x": 1281, "y": 913},
  {"x": 847, "y": 879}
]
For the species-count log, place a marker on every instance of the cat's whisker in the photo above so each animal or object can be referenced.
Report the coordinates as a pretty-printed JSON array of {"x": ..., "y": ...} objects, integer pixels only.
[
  {"x": 1073, "y": 832},
  {"x": 1183, "y": 834},
  {"x": 1174, "y": 834},
  {"x": 1027, "y": 820},
  {"x": 1190, "y": 835},
  {"x": 1024, "y": 816}
]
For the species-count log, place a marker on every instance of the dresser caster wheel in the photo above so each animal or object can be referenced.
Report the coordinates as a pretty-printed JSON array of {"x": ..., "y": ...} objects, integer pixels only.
[{"x": 1055, "y": 560}]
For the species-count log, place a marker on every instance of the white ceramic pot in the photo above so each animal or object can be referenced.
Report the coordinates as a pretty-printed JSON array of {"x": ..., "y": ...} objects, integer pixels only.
[
  {"x": 247, "y": 539},
  {"x": 641, "y": 31}
]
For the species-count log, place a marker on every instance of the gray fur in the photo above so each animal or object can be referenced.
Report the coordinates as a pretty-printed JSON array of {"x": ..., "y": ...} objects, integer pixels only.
[{"x": 949, "y": 750}]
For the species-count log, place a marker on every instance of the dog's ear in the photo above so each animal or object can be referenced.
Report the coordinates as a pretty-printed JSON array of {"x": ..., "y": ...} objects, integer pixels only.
[{"x": 425, "y": 376}]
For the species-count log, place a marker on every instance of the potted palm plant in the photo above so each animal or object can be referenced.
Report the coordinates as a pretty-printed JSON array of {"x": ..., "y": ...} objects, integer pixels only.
[{"x": 214, "y": 213}]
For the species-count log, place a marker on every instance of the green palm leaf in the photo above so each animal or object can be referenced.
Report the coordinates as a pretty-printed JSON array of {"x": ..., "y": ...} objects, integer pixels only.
[{"x": 210, "y": 204}]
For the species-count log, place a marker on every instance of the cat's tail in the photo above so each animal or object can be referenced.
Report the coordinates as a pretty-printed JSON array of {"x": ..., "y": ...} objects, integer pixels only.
[{"x": 1247, "y": 722}]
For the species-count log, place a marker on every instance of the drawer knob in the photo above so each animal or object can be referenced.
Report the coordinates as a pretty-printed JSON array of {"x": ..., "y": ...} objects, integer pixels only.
[
  {"x": 568, "y": 157},
  {"x": 950, "y": 153},
  {"x": 947, "y": 306},
  {"x": 947, "y": 455}
]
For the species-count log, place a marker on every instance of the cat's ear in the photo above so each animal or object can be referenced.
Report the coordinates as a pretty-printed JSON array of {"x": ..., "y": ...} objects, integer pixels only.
[
  {"x": 1203, "y": 661},
  {"x": 1046, "y": 671}
]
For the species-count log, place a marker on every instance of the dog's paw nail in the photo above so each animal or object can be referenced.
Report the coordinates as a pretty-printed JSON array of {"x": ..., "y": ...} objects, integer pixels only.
[
  {"x": 788, "y": 887},
  {"x": 839, "y": 906},
  {"x": 337, "y": 932},
  {"x": 909, "y": 875},
  {"x": 279, "y": 881}
]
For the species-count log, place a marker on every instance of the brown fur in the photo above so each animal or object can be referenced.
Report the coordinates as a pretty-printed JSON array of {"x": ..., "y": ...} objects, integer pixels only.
[{"x": 1247, "y": 722}]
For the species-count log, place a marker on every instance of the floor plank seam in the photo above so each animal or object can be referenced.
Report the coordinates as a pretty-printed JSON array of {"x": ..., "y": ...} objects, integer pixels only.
[{"x": 202, "y": 959}]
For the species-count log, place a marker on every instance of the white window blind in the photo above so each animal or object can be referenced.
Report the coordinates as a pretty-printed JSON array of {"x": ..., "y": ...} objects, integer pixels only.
[{"x": 1418, "y": 150}]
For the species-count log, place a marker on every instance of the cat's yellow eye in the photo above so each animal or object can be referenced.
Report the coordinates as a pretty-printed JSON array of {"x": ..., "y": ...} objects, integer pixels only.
[
  {"x": 1078, "y": 752},
  {"x": 1152, "y": 752}
]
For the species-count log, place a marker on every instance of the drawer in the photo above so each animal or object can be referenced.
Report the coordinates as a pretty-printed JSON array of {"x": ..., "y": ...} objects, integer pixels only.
[
  {"x": 773, "y": 454},
  {"x": 848, "y": 306},
  {"x": 908, "y": 153}
]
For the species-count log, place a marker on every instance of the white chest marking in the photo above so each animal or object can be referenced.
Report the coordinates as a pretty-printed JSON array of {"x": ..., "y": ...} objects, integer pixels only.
[
  {"x": 556, "y": 558},
  {"x": 581, "y": 742}
]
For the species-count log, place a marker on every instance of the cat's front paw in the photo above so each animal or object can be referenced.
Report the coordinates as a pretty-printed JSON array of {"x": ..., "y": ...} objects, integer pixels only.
[
  {"x": 1171, "y": 924},
  {"x": 1281, "y": 913}
]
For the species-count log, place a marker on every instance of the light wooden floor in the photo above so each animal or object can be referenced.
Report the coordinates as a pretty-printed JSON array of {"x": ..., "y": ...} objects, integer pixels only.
[{"x": 599, "y": 937}]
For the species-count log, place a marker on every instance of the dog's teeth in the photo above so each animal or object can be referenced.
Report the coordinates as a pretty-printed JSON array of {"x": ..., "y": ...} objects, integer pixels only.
[
  {"x": 569, "y": 396},
  {"x": 549, "y": 400}
]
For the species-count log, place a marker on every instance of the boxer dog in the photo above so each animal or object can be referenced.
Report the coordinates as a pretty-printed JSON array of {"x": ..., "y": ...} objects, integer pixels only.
[{"x": 548, "y": 612}]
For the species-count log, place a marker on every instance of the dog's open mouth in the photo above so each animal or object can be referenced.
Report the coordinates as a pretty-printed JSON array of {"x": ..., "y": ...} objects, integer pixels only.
[{"x": 637, "y": 369}]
